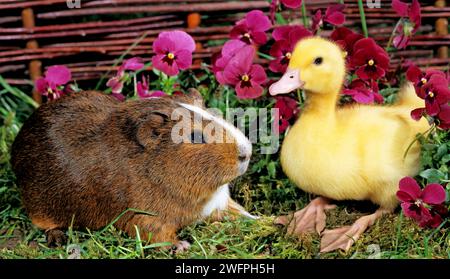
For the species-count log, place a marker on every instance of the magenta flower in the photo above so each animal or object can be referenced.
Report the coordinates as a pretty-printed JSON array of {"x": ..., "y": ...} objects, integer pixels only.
[
  {"x": 132, "y": 64},
  {"x": 369, "y": 59},
  {"x": 408, "y": 27},
  {"x": 173, "y": 52},
  {"x": 229, "y": 50},
  {"x": 334, "y": 15},
  {"x": 143, "y": 92},
  {"x": 435, "y": 93},
  {"x": 362, "y": 93},
  {"x": 272, "y": 10},
  {"x": 293, "y": 4},
  {"x": 252, "y": 28},
  {"x": 444, "y": 117},
  {"x": 245, "y": 76},
  {"x": 288, "y": 110},
  {"x": 116, "y": 82},
  {"x": 285, "y": 39},
  {"x": 418, "y": 204},
  {"x": 346, "y": 38},
  {"x": 53, "y": 83},
  {"x": 419, "y": 78}
]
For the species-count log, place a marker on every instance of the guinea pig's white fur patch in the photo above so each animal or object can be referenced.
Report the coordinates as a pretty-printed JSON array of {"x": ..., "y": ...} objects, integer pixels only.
[
  {"x": 244, "y": 145},
  {"x": 218, "y": 201}
]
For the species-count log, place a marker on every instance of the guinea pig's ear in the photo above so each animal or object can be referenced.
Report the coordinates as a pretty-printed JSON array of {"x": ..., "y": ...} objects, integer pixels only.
[
  {"x": 192, "y": 97},
  {"x": 151, "y": 129}
]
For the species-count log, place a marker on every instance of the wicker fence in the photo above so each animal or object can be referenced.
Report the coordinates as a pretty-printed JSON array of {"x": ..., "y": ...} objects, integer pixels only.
[{"x": 35, "y": 34}]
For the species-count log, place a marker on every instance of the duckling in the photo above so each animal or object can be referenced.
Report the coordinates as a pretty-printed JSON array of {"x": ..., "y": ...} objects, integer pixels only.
[{"x": 343, "y": 153}]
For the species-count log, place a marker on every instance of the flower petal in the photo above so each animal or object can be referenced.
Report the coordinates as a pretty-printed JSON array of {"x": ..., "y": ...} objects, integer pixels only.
[
  {"x": 180, "y": 39},
  {"x": 433, "y": 194},
  {"x": 400, "y": 8},
  {"x": 293, "y": 4},
  {"x": 183, "y": 58},
  {"x": 413, "y": 73},
  {"x": 410, "y": 186},
  {"x": 41, "y": 85},
  {"x": 257, "y": 21},
  {"x": 158, "y": 63},
  {"x": 417, "y": 113},
  {"x": 58, "y": 75},
  {"x": 248, "y": 92},
  {"x": 257, "y": 73}
]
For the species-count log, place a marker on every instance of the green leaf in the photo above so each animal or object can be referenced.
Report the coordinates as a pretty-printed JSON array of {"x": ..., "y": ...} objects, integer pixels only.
[
  {"x": 442, "y": 150},
  {"x": 445, "y": 158},
  {"x": 433, "y": 175},
  {"x": 272, "y": 169}
]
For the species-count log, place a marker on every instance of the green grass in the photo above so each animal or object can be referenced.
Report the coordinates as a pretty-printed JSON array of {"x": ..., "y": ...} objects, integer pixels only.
[
  {"x": 391, "y": 237},
  {"x": 264, "y": 191}
]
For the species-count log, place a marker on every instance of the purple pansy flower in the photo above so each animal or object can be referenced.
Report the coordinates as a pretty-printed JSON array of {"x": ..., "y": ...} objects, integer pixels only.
[
  {"x": 252, "y": 28},
  {"x": 173, "y": 52},
  {"x": 52, "y": 84},
  {"x": 245, "y": 76}
]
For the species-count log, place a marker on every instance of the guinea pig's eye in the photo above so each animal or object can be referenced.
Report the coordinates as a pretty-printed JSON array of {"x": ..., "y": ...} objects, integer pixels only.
[
  {"x": 318, "y": 60},
  {"x": 197, "y": 137}
]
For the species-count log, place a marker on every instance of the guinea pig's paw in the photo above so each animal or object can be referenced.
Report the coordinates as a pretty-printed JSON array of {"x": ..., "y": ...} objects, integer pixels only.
[
  {"x": 55, "y": 238},
  {"x": 180, "y": 247}
]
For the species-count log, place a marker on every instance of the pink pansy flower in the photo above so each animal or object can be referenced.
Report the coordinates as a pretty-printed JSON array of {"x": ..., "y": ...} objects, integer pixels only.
[
  {"x": 288, "y": 110},
  {"x": 173, "y": 52},
  {"x": 117, "y": 81},
  {"x": 286, "y": 37},
  {"x": 245, "y": 76},
  {"x": 369, "y": 59},
  {"x": 409, "y": 27},
  {"x": 333, "y": 15},
  {"x": 229, "y": 50},
  {"x": 362, "y": 93},
  {"x": 52, "y": 84},
  {"x": 252, "y": 28},
  {"x": 143, "y": 92},
  {"x": 417, "y": 203},
  {"x": 132, "y": 64}
]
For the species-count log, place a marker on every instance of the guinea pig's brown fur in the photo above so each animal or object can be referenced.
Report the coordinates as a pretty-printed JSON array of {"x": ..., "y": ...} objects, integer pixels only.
[{"x": 86, "y": 158}]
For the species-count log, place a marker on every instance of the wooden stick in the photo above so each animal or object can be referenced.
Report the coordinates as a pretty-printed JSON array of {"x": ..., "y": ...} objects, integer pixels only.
[
  {"x": 83, "y": 33},
  {"x": 441, "y": 29},
  {"x": 35, "y": 65},
  {"x": 202, "y": 7},
  {"x": 77, "y": 26}
]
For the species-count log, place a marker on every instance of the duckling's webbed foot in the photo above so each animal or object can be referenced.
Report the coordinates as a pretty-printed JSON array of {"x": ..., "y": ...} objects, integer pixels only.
[
  {"x": 344, "y": 237},
  {"x": 309, "y": 219}
]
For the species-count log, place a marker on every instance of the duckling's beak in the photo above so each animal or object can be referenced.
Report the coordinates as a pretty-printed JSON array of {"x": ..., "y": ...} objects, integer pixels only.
[{"x": 288, "y": 82}]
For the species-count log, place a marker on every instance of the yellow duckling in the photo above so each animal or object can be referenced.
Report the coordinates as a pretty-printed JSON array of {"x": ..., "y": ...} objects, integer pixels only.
[{"x": 349, "y": 153}]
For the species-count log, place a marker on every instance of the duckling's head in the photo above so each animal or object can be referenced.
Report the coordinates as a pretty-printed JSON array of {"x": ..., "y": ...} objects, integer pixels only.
[{"x": 316, "y": 65}]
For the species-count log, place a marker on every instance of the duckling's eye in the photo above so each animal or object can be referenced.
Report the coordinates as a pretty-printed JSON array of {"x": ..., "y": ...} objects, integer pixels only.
[
  {"x": 197, "y": 137},
  {"x": 318, "y": 60}
]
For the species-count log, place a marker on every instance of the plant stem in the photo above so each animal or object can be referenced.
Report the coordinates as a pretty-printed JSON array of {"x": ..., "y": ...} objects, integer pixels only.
[
  {"x": 120, "y": 59},
  {"x": 418, "y": 136},
  {"x": 341, "y": 1},
  {"x": 391, "y": 38},
  {"x": 266, "y": 56},
  {"x": 363, "y": 18},
  {"x": 304, "y": 14}
]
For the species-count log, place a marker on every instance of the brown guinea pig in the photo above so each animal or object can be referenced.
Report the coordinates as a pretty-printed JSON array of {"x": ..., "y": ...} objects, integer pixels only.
[{"x": 86, "y": 158}]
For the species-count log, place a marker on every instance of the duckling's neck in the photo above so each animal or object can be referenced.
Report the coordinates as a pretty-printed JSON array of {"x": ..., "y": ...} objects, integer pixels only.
[{"x": 321, "y": 106}]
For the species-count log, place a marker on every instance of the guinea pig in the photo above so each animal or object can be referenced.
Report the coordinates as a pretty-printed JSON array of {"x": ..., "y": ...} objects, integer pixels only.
[{"x": 85, "y": 158}]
